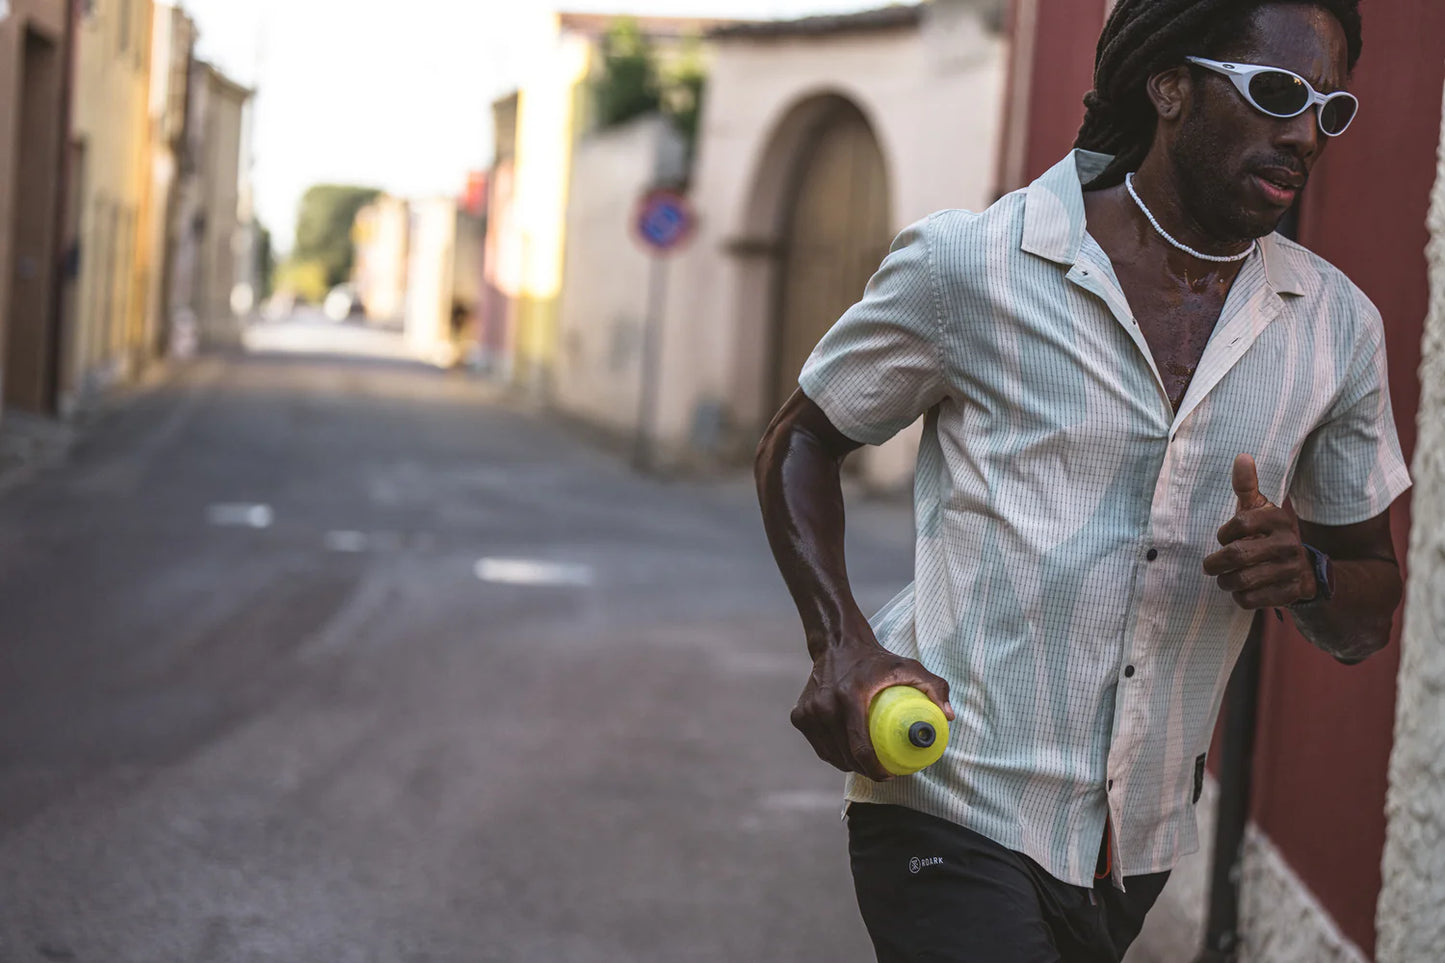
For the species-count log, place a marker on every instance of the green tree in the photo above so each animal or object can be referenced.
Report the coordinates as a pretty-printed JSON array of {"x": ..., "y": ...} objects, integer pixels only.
[
  {"x": 635, "y": 80},
  {"x": 323, "y": 228},
  {"x": 628, "y": 86},
  {"x": 304, "y": 279},
  {"x": 682, "y": 84}
]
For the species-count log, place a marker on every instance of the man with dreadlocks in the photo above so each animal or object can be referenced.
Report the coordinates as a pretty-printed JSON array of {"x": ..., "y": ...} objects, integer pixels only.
[{"x": 1124, "y": 372}]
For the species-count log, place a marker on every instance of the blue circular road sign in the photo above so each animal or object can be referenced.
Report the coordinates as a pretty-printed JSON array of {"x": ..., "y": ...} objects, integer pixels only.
[{"x": 664, "y": 220}]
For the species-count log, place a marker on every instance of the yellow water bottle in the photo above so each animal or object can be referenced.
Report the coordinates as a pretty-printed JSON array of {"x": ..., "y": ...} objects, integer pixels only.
[{"x": 909, "y": 732}]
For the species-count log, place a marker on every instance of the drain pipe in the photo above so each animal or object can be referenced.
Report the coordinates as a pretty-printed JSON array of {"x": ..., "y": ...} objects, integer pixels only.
[{"x": 1236, "y": 769}]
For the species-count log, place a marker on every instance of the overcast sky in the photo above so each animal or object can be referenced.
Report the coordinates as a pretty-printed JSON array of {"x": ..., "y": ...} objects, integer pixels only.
[{"x": 395, "y": 96}]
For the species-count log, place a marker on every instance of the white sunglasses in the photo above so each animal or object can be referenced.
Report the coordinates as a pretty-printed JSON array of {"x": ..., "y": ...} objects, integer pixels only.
[{"x": 1282, "y": 93}]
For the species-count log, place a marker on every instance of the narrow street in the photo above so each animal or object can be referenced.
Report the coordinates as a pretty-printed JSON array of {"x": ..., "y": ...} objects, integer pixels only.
[{"x": 310, "y": 657}]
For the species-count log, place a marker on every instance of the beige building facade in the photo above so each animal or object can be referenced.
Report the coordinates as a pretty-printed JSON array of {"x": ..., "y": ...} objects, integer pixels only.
[
  {"x": 210, "y": 242},
  {"x": 172, "y": 44},
  {"x": 444, "y": 277},
  {"x": 531, "y": 185},
  {"x": 501, "y": 257},
  {"x": 821, "y": 139},
  {"x": 610, "y": 277},
  {"x": 33, "y": 57},
  {"x": 382, "y": 239}
]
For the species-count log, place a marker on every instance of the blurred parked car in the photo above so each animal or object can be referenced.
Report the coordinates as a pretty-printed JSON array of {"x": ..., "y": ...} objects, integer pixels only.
[{"x": 343, "y": 302}]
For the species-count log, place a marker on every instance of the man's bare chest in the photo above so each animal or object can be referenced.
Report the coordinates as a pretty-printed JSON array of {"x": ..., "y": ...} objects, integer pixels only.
[{"x": 1176, "y": 320}]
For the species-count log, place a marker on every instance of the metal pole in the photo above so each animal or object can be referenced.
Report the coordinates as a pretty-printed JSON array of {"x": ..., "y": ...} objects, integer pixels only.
[
  {"x": 1236, "y": 770},
  {"x": 643, "y": 453}
]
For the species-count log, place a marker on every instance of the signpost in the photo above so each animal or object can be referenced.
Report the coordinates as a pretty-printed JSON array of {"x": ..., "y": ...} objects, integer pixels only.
[{"x": 663, "y": 222}]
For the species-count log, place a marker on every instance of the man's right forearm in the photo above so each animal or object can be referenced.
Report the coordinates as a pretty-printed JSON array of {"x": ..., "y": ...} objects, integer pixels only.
[
  {"x": 798, "y": 467},
  {"x": 799, "y": 488}
]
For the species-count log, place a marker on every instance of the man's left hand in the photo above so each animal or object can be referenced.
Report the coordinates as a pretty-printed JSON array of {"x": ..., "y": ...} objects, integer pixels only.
[{"x": 1263, "y": 562}]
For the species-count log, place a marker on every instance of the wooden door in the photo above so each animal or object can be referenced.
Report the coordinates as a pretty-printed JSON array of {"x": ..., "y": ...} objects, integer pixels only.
[
  {"x": 836, "y": 233},
  {"x": 27, "y": 338}
]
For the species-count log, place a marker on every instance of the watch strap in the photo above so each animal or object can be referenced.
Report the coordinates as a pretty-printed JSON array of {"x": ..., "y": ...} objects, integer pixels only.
[{"x": 1324, "y": 576}]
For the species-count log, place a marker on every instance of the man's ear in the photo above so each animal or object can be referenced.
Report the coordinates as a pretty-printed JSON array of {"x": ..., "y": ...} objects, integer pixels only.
[{"x": 1169, "y": 91}]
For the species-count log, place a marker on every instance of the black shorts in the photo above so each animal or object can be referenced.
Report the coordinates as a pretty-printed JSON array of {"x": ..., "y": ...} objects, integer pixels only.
[{"x": 933, "y": 891}]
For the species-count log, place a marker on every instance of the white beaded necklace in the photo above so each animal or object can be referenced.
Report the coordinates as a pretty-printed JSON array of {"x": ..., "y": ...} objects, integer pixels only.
[{"x": 1218, "y": 258}]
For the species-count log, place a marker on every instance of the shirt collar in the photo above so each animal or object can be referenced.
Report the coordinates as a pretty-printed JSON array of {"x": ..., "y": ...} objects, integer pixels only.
[
  {"x": 1279, "y": 266},
  {"x": 1054, "y": 219}
]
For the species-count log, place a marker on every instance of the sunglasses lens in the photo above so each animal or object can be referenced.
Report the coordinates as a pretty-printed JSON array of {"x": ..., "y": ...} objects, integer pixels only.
[
  {"x": 1336, "y": 114},
  {"x": 1278, "y": 93}
]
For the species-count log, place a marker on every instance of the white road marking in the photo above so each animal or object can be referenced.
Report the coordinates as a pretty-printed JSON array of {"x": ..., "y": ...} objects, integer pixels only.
[
  {"x": 346, "y": 541},
  {"x": 532, "y": 571},
  {"x": 801, "y": 801},
  {"x": 241, "y": 515}
]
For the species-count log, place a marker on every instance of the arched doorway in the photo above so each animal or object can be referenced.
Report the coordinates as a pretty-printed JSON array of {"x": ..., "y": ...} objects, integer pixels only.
[{"x": 835, "y": 230}]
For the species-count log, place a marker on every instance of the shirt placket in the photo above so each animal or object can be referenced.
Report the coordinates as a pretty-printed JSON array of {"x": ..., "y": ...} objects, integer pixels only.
[
  {"x": 1153, "y": 570},
  {"x": 1131, "y": 701}
]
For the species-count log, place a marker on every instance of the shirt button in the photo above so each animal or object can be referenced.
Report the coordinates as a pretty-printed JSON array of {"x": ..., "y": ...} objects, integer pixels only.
[
  {"x": 1152, "y": 554},
  {"x": 1128, "y": 672},
  {"x": 1111, "y": 784}
]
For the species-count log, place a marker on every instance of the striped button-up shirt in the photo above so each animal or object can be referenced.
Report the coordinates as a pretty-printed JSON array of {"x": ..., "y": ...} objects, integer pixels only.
[{"x": 1063, "y": 508}]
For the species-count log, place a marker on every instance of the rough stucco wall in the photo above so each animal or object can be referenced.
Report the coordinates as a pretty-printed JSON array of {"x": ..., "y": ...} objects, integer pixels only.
[{"x": 1411, "y": 923}]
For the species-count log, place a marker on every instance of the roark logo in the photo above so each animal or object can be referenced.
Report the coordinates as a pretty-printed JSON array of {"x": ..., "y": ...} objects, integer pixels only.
[{"x": 915, "y": 864}]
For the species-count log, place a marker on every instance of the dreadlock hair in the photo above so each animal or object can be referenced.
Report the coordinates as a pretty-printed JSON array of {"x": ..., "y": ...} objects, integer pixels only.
[{"x": 1144, "y": 37}]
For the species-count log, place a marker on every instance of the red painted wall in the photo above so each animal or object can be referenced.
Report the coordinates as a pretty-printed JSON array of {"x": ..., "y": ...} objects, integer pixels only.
[
  {"x": 1068, "y": 31},
  {"x": 1326, "y": 730}
]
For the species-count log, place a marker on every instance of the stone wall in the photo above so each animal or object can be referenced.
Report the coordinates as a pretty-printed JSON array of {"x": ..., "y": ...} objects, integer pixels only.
[{"x": 1411, "y": 924}]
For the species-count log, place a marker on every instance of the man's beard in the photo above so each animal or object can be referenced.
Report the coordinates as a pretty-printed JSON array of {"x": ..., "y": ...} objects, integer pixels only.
[{"x": 1211, "y": 195}]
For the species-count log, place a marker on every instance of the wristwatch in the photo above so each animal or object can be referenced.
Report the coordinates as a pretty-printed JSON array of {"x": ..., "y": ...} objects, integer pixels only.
[{"x": 1324, "y": 577}]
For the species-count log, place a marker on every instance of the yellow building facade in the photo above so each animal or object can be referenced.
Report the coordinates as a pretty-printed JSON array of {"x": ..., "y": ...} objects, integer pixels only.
[
  {"x": 548, "y": 121},
  {"x": 111, "y": 165}
]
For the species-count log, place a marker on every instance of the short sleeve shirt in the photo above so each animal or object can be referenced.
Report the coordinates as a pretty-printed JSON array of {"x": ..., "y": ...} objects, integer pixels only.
[{"x": 1063, "y": 508}]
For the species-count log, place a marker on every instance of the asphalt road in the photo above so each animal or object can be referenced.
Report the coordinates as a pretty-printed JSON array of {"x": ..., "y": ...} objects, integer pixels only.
[{"x": 309, "y": 658}]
